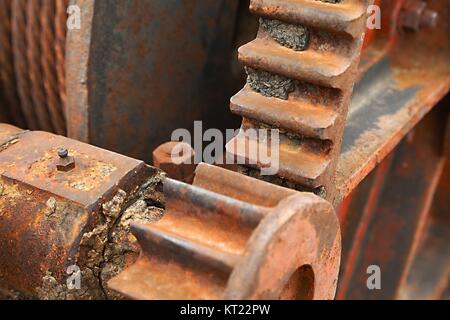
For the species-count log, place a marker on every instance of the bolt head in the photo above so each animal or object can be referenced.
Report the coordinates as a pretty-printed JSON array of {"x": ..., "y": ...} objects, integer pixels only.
[{"x": 63, "y": 152}]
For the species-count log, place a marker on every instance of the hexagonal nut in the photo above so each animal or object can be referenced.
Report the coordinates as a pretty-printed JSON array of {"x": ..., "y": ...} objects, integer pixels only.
[
  {"x": 177, "y": 159},
  {"x": 65, "y": 164}
]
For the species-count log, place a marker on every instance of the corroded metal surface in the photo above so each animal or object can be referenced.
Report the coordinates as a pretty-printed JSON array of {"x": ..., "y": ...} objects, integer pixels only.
[
  {"x": 177, "y": 159},
  {"x": 432, "y": 248},
  {"x": 388, "y": 172},
  {"x": 415, "y": 15},
  {"x": 48, "y": 215},
  {"x": 8, "y": 90},
  {"x": 227, "y": 235},
  {"x": 32, "y": 33},
  {"x": 233, "y": 237},
  {"x": 149, "y": 75},
  {"x": 392, "y": 97},
  {"x": 318, "y": 78},
  {"x": 385, "y": 219}
]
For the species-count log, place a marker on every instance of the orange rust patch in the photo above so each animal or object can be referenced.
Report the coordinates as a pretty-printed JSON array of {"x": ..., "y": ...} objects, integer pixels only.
[{"x": 93, "y": 172}]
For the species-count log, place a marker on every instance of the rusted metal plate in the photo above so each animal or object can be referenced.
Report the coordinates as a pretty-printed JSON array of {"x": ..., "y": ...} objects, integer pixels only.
[
  {"x": 300, "y": 83},
  {"x": 131, "y": 67},
  {"x": 47, "y": 214},
  {"x": 33, "y": 160},
  {"x": 8, "y": 134},
  {"x": 213, "y": 244}
]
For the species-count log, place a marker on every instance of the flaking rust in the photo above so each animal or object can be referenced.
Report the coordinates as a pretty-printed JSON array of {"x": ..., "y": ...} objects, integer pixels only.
[{"x": 53, "y": 219}]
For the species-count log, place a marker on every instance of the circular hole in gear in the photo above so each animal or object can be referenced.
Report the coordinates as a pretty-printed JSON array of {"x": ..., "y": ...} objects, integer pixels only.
[{"x": 300, "y": 285}]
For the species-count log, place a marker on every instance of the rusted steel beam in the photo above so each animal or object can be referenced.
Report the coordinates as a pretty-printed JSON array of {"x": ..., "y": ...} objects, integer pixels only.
[
  {"x": 428, "y": 276},
  {"x": 302, "y": 67},
  {"x": 386, "y": 218},
  {"x": 228, "y": 236},
  {"x": 392, "y": 97},
  {"x": 355, "y": 214},
  {"x": 51, "y": 219}
]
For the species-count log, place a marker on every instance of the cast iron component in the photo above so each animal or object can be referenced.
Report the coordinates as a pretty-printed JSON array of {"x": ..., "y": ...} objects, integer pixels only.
[
  {"x": 52, "y": 218},
  {"x": 229, "y": 236},
  {"x": 134, "y": 78},
  {"x": 311, "y": 116},
  {"x": 399, "y": 84}
]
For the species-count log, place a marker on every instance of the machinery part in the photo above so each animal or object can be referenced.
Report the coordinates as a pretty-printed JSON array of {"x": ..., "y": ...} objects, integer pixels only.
[
  {"x": 387, "y": 204},
  {"x": 399, "y": 85},
  {"x": 316, "y": 86},
  {"x": 233, "y": 237},
  {"x": 177, "y": 159},
  {"x": 384, "y": 221},
  {"x": 378, "y": 42},
  {"x": 107, "y": 82},
  {"x": 395, "y": 91},
  {"x": 53, "y": 219},
  {"x": 392, "y": 96},
  {"x": 33, "y": 36},
  {"x": 65, "y": 162},
  {"x": 416, "y": 15},
  {"x": 134, "y": 79},
  {"x": 432, "y": 249}
]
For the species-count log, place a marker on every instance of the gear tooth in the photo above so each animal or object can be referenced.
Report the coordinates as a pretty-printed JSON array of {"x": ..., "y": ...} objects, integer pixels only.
[
  {"x": 218, "y": 234},
  {"x": 347, "y": 17},
  {"x": 303, "y": 91}
]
